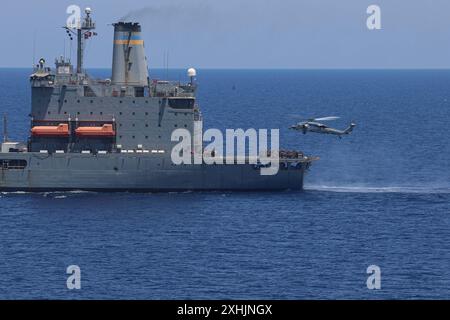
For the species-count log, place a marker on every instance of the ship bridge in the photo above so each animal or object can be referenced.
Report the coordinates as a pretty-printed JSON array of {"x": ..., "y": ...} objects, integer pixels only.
[{"x": 139, "y": 113}]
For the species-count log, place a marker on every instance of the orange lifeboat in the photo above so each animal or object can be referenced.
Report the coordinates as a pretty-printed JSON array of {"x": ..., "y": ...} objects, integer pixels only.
[
  {"x": 61, "y": 130},
  {"x": 104, "y": 131}
]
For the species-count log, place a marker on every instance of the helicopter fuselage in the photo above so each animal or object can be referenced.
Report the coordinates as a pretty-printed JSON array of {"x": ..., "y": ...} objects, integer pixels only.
[{"x": 321, "y": 128}]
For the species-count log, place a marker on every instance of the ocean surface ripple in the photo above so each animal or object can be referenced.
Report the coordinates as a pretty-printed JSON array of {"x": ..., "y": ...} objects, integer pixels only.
[{"x": 380, "y": 196}]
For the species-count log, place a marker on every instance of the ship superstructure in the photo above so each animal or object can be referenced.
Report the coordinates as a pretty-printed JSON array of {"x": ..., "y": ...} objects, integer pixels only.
[{"x": 115, "y": 134}]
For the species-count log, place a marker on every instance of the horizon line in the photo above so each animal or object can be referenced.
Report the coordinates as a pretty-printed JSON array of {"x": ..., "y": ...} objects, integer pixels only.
[{"x": 262, "y": 68}]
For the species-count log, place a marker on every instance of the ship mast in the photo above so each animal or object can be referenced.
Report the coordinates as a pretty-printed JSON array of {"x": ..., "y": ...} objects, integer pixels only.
[
  {"x": 83, "y": 33},
  {"x": 79, "y": 51}
]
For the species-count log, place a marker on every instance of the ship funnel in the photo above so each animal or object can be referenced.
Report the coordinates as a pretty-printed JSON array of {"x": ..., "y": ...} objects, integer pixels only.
[{"x": 129, "y": 61}]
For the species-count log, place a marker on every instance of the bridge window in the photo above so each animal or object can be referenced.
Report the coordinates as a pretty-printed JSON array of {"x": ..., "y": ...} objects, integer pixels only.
[
  {"x": 182, "y": 103},
  {"x": 13, "y": 164},
  {"x": 139, "y": 92}
]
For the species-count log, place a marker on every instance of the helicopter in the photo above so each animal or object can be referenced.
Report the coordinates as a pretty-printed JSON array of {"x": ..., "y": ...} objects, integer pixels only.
[{"x": 312, "y": 125}]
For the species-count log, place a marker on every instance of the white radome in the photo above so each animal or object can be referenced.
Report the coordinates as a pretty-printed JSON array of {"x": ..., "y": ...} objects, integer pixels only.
[
  {"x": 88, "y": 10},
  {"x": 192, "y": 72}
]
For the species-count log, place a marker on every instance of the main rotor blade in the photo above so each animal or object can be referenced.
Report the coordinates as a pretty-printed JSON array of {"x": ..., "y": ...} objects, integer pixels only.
[{"x": 326, "y": 118}]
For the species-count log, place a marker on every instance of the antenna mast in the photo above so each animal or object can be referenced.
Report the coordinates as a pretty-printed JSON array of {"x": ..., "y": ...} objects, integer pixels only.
[
  {"x": 83, "y": 32},
  {"x": 79, "y": 50}
]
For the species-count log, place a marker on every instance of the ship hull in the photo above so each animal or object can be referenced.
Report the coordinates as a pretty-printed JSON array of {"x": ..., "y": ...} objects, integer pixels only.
[{"x": 138, "y": 173}]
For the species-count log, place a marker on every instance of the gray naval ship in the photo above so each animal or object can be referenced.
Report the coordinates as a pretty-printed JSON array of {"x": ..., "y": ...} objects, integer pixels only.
[{"x": 115, "y": 134}]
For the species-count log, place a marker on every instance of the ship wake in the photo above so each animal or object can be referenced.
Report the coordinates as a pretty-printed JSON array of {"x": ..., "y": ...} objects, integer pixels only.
[
  {"x": 381, "y": 189},
  {"x": 51, "y": 194}
]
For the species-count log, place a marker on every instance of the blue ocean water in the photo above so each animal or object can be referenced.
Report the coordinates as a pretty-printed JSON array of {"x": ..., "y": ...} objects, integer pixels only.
[{"x": 379, "y": 196}]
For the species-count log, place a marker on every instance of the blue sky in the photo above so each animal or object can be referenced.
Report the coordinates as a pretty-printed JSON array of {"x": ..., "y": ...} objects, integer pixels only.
[{"x": 242, "y": 33}]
